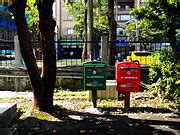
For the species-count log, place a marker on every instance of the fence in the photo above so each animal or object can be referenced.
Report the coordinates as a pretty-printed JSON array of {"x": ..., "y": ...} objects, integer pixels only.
[
  {"x": 7, "y": 53},
  {"x": 69, "y": 51}
]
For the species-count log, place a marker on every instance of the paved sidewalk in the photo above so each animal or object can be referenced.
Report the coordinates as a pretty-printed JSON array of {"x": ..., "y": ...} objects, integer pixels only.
[{"x": 4, "y": 94}]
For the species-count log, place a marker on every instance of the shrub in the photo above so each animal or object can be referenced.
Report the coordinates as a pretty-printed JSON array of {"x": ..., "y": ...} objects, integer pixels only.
[{"x": 163, "y": 74}]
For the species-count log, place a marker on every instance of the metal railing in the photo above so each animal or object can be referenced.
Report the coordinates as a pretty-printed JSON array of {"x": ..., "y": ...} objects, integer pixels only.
[
  {"x": 7, "y": 53},
  {"x": 69, "y": 51}
]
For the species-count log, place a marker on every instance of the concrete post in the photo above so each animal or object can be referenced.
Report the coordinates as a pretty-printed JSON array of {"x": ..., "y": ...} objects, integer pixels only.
[
  {"x": 18, "y": 57},
  {"x": 104, "y": 49}
]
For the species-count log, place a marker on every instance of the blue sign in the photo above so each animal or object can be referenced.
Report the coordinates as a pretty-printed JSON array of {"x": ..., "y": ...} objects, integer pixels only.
[
  {"x": 121, "y": 43},
  {"x": 6, "y": 17}
]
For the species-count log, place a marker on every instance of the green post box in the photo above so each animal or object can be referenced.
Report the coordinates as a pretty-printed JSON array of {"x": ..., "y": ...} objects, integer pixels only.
[
  {"x": 94, "y": 78},
  {"x": 94, "y": 75}
]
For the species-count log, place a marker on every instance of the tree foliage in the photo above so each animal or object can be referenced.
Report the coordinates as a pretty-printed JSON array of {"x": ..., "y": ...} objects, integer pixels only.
[
  {"x": 156, "y": 21},
  {"x": 33, "y": 20},
  {"x": 77, "y": 11},
  {"x": 154, "y": 1},
  {"x": 164, "y": 74}
]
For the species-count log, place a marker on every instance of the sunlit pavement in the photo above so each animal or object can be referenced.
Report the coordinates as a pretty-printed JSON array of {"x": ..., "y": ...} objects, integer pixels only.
[{"x": 4, "y": 94}]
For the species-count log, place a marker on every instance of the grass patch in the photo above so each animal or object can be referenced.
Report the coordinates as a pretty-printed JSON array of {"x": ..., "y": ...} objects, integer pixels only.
[
  {"x": 107, "y": 103},
  {"x": 11, "y": 99},
  {"x": 41, "y": 116},
  {"x": 70, "y": 95}
]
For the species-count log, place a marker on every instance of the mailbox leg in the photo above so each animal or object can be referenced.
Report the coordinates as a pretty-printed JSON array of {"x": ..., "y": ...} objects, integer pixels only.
[
  {"x": 94, "y": 98},
  {"x": 127, "y": 99}
]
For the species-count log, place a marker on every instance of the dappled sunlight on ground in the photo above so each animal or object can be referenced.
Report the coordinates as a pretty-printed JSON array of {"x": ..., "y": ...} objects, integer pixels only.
[{"x": 148, "y": 115}]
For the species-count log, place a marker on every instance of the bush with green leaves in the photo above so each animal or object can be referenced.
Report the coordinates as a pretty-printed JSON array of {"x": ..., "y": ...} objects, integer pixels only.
[{"x": 163, "y": 74}]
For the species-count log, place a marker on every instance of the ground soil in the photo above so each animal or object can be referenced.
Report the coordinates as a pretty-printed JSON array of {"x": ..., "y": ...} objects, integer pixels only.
[{"x": 70, "y": 118}]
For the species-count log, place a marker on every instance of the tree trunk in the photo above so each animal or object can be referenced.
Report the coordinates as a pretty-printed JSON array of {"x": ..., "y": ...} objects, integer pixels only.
[
  {"x": 173, "y": 13},
  {"x": 47, "y": 27},
  {"x": 43, "y": 86},
  {"x": 18, "y": 10},
  {"x": 84, "y": 52},
  {"x": 112, "y": 31},
  {"x": 90, "y": 30},
  {"x": 172, "y": 38}
]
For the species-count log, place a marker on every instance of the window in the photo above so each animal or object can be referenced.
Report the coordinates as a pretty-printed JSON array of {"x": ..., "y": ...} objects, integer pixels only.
[
  {"x": 69, "y": 31},
  {"x": 67, "y": 17},
  {"x": 123, "y": 17},
  {"x": 123, "y": 7},
  {"x": 120, "y": 31}
]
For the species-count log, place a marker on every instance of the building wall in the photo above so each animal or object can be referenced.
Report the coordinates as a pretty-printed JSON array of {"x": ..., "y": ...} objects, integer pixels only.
[
  {"x": 64, "y": 24},
  {"x": 122, "y": 15}
]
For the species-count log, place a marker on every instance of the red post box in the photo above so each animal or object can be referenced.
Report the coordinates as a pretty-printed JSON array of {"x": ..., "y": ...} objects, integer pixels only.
[{"x": 128, "y": 76}]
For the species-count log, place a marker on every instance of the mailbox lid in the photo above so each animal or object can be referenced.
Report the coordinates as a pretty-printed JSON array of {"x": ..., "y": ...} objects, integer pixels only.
[
  {"x": 94, "y": 75},
  {"x": 128, "y": 76}
]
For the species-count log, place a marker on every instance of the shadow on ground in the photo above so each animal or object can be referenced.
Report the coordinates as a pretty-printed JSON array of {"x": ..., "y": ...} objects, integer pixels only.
[
  {"x": 137, "y": 110},
  {"x": 80, "y": 123}
]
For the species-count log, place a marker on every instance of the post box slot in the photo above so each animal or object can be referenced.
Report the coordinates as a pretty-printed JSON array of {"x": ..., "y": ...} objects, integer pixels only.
[
  {"x": 134, "y": 68},
  {"x": 124, "y": 68},
  {"x": 128, "y": 68}
]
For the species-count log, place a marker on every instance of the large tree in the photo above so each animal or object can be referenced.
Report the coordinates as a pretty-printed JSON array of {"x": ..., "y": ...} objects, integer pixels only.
[
  {"x": 42, "y": 84},
  {"x": 157, "y": 21}
]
